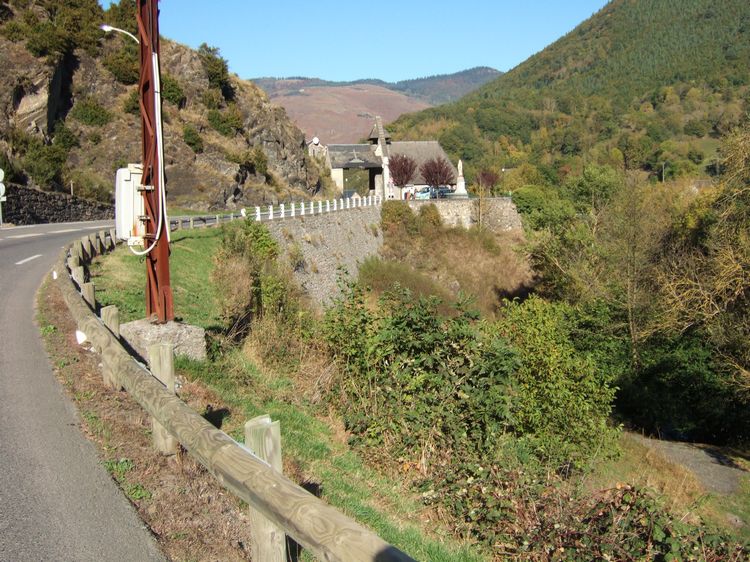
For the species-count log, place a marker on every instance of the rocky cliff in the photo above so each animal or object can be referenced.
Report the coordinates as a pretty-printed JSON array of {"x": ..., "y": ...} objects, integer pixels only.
[{"x": 71, "y": 119}]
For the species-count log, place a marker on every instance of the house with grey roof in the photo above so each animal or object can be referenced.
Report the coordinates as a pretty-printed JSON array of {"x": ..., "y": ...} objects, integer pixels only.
[{"x": 374, "y": 158}]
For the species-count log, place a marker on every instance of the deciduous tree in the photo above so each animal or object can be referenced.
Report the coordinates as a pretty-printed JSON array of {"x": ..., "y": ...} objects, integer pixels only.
[
  {"x": 402, "y": 169},
  {"x": 436, "y": 172}
]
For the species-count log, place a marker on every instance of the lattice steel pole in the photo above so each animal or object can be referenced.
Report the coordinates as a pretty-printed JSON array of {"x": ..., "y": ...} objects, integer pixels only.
[{"x": 159, "y": 302}]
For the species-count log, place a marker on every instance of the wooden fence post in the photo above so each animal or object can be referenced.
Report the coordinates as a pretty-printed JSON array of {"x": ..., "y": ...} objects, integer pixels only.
[
  {"x": 79, "y": 276},
  {"x": 110, "y": 316},
  {"x": 89, "y": 295},
  {"x": 263, "y": 437},
  {"x": 113, "y": 237},
  {"x": 161, "y": 363}
]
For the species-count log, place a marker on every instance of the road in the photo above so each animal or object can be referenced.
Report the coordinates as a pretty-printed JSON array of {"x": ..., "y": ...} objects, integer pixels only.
[{"x": 56, "y": 501}]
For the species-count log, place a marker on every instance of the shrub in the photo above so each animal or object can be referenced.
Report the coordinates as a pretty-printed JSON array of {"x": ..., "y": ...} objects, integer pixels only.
[
  {"x": 124, "y": 64},
  {"x": 90, "y": 112},
  {"x": 247, "y": 257},
  {"x": 397, "y": 217},
  {"x": 132, "y": 103},
  {"x": 228, "y": 122},
  {"x": 424, "y": 385},
  {"x": 562, "y": 402},
  {"x": 428, "y": 220},
  {"x": 212, "y": 99},
  {"x": 192, "y": 138},
  {"x": 172, "y": 92}
]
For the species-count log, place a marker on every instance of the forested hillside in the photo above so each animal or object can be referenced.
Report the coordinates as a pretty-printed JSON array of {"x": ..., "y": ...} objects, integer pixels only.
[{"x": 640, "y": 84}]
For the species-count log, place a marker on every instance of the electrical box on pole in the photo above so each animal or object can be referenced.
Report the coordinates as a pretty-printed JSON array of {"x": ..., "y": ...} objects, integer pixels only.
[{"x": 129, "y": 211}]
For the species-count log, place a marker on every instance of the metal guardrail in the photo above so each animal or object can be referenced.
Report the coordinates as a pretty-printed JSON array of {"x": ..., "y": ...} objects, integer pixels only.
[{"x": 318, "y": 527}]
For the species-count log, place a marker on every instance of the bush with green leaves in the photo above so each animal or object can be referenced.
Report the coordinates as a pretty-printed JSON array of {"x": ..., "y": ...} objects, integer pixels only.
[
  {"x": 123, "y": 63},
  {"x": 251, "y": 281},
  {"x": 90, "y": 112},
  {"x": 172, "y": 92},
  {"x": 192, "y": 138},
  {"x": 397, "y": 217},
  {"x": 424, "y": 385},
  {"x": 227, "y": 122},
  {"x": 562, "y": 402}
]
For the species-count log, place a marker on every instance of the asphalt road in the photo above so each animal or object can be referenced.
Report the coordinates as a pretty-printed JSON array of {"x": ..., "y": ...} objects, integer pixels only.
[{"x": 56, "y": 501}]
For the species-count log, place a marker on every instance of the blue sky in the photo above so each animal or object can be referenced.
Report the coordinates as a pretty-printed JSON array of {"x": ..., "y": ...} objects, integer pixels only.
[{"x": 391, "y": 40}]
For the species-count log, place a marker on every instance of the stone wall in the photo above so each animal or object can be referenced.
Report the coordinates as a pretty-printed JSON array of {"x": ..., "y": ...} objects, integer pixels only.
[
  {"x": 330, "y": 245},
  {"x": 499, "y": 214},
  {"x": 32, "y": 206}
]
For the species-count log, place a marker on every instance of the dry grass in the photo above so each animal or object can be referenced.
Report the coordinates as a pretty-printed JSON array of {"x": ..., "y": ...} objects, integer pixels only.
[
  {"x": 479, "y": 263},
  {"x": 645, "y": 467},
  {"x": 188, "y": 512}
]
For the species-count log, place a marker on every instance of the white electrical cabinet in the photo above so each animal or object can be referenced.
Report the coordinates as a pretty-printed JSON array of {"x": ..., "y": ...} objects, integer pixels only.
[{"x": 129, "y": 205}]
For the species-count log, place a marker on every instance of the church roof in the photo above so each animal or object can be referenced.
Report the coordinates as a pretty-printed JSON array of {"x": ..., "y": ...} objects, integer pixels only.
[
  {"x": 420, "y": 152},
  {"x": 354, "y": 156}
]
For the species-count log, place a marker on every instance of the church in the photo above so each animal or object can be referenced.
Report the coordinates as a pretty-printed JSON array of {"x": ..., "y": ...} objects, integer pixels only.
[{"x": 374, "y": 157}]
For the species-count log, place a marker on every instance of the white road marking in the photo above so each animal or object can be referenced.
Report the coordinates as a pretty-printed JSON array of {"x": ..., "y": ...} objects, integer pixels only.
[
  {"x": 27, "y": 235},
  {"x": 64, "y": 231},
  {"x": 28, "y": 259}
]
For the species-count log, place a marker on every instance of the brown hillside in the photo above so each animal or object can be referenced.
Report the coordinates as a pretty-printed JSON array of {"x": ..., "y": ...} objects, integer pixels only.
[{"x": 342, "y": 114}]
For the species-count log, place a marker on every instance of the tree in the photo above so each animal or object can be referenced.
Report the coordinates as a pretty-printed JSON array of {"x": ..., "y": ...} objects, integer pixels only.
[
  {"x": 402, "y": 169},
  {"x": 436, "y": 172},
  {"x": 217, "y": 70},
  {"x": 487, "y": 179}
]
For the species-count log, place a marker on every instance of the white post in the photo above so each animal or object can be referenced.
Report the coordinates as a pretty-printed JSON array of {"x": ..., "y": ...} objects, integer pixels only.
[
  {"x": 293, "y": 205},
  {"x": 335, "y": 203},
  {"x": 270, "y": 212},
  {"x": 281, "y": 206},
  {"x": 257, "y": 214},
  {"x": 302, "y": 208},
  {"x": 341, "y": 205},
  {"x": 320, "y": 207}
]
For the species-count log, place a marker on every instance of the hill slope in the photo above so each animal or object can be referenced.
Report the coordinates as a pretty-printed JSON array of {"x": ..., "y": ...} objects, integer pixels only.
[
  {"x": 640, "y": 83},
  {"x": 343, "y": 111},
  {"x": 69, "y": 113}
]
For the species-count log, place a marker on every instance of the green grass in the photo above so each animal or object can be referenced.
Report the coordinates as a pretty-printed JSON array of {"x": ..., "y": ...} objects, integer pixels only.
[
  {"x": 120, "y": 279},
  {"x": 383, "y": 504},
  {"x": 346, "y": 481}
]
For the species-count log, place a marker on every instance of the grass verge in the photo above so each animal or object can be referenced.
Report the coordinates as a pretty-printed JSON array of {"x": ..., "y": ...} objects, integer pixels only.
[{"x": 231, "y": 389}]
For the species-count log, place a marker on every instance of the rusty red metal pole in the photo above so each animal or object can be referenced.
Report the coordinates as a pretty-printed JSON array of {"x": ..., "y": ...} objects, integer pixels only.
[{"x": 159, "y": 302}]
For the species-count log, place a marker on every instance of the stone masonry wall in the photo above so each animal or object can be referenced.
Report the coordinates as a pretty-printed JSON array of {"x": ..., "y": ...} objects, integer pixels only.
[
  {"x": 334, "y": 244},
  {"x": 331, "y": 245},
  {"x": 499, "y": 213},
  {"x": 32, "y": 206}
]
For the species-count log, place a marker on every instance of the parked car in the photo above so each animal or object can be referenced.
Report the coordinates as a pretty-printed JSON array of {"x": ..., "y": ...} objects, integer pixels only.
[
  {"x": 444, "y": 191},
  {"x": 424, "y": 193}
]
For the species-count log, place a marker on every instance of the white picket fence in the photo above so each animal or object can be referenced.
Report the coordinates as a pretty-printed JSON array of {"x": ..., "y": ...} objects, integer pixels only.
[{"x": 281, "y": 211}]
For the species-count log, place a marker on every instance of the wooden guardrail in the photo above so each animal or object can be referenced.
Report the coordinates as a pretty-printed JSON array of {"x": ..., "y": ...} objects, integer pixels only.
[{"x": 318, "y": 527}]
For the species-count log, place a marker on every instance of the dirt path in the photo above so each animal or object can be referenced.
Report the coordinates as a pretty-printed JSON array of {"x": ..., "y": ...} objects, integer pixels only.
[{"x": 716, "y": 471}]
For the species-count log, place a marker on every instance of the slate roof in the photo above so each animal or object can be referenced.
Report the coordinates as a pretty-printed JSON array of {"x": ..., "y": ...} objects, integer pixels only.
[
  {"x": 421, "y": 151},
  {"x": 353, "y": 156}
]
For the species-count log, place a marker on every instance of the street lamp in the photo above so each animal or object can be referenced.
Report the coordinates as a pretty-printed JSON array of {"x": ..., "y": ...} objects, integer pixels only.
[{"x": 107, "y": 28}]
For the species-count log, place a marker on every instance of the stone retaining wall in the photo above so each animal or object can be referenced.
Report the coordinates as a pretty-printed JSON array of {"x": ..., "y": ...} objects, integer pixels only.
[
  {"x": 499, "y": 214},
  {"x": 329, "y": 245},
  {"x": 32, "y": 206}
]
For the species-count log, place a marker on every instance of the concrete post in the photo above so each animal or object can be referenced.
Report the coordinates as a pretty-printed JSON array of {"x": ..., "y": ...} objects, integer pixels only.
[
  {"x": 270, "y": 212},
  {"x": 257, "y": 214},
  {"x": 281, "y": 207},
  {"x": 88, "y": 292},
  {"x": 335, "y": 203},
  {"x": 293, "y": 205},
  {"x": 302, "y": 208}
]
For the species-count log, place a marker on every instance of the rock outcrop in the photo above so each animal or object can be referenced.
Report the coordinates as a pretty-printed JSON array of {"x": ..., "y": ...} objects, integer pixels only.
[{"x": 35, "y": 95}]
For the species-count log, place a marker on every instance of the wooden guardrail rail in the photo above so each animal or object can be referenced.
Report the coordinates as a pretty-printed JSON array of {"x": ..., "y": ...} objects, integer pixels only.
[{"x": 318, "y": 527}]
